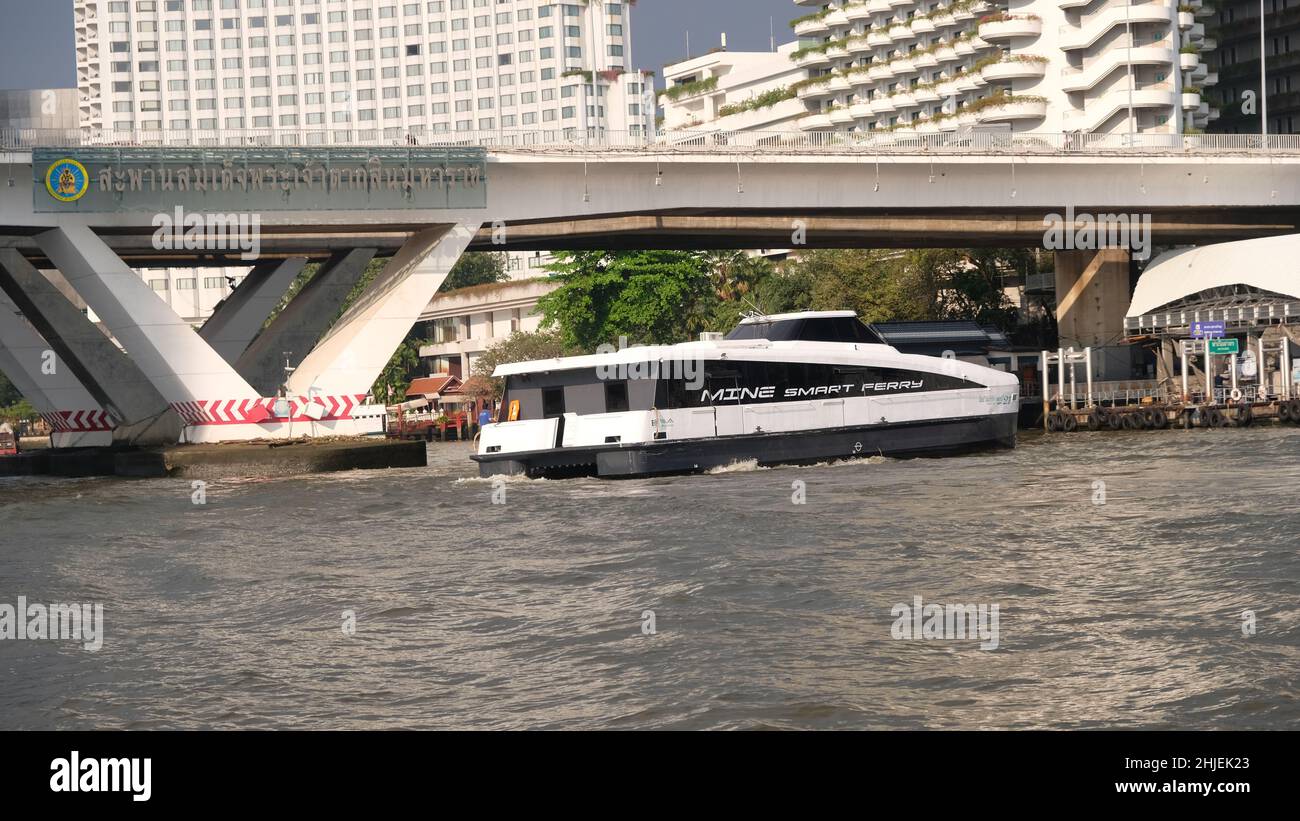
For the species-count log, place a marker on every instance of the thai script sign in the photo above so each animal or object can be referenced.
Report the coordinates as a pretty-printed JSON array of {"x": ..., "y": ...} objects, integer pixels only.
[{"x": 111, "y": 179}]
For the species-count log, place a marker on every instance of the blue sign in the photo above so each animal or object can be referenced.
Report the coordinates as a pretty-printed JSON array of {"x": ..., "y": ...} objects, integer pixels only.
[{"x": 1207, "y": 330}]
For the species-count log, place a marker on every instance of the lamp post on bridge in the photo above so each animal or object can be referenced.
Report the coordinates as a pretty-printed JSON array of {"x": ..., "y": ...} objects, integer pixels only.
[{"x": 1263, "y": 81}]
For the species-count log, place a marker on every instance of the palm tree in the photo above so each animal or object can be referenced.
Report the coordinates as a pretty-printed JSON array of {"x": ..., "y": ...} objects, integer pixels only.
[{"x": 735, "y": 273}]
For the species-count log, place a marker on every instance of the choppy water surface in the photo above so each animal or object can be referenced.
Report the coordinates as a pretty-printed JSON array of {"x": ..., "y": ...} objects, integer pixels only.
[{"x": 528, "y": 614}]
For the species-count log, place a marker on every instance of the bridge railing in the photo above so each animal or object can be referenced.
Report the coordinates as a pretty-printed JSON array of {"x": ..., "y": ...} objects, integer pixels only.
[{"x": 685, "y": 141}]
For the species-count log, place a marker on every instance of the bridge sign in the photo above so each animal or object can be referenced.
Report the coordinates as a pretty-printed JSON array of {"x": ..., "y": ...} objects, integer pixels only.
[
  {"x": 1220, "y": 347},
  {"x": 1207, "y": 330},
  {"x": 103, "y": 179}
]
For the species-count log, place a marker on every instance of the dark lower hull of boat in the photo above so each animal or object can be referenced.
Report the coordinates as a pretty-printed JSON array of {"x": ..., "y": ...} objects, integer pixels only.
[{"x": 932, "y": 437}]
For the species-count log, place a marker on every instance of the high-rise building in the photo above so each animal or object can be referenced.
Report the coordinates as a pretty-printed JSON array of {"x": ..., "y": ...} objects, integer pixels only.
[
  {"x": 1236, "y": 61},
  {"x": 338, "y": 71},
  {"x": 1103, "y": 66},
  {"x": 358, "y": 69}
]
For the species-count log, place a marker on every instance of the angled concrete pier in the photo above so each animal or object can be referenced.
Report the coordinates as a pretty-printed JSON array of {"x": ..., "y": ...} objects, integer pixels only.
[
  {"x": 34, "y": 367},
  {"x": 239, "y": 317},
  {"x": 144, "y": 416},
  {"x": 180, "y": 365},
  {"x": 300, "y": 325},
  {"x": 361, "y": 343}
]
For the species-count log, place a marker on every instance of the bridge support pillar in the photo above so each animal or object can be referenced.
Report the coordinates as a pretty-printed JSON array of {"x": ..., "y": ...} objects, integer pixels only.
[
  {"x": 302, "y": 322},
  {"x": 180, "y": 365},
  {"x": 359, "y": 346},
  {"x": 34, "y": 367},
  {"x": 117, "y": 386},
  {"x": 1092, "y": 296},
  {"x": 239, "y": 317}
]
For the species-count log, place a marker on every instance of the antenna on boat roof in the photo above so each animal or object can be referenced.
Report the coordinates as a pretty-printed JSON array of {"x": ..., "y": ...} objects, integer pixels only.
[{"x": 755, "y": 312}]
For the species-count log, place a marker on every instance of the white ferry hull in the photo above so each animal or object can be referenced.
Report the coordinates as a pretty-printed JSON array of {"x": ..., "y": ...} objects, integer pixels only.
[{"x": 928, "y": 437}]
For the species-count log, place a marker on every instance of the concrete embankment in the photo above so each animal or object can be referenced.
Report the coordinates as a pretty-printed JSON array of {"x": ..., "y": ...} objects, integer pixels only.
[{"x": 223, "y": 461}]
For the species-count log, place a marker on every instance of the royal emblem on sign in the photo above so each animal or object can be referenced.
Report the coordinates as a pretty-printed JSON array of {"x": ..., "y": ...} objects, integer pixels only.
[{"x": 67, "y": 180}]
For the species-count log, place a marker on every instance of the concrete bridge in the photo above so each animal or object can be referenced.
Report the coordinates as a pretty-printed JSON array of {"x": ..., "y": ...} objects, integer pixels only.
[{"x": 89, "y": 206}]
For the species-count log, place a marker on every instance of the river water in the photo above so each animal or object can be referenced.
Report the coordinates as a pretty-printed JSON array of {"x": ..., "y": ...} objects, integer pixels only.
[{"x": 1119, "y": 605}]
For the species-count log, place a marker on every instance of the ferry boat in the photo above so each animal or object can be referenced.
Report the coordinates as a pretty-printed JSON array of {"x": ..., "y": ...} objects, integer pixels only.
[{"x": 779, "y": 389}]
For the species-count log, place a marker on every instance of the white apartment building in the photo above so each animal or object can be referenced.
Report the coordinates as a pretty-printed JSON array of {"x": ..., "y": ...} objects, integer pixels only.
[
  {"x": 465, "y": 323},
  {"x": 751, "y": 91},
  {"x": 358, "y": 69},
  {"x": 1047, "y": 66}
]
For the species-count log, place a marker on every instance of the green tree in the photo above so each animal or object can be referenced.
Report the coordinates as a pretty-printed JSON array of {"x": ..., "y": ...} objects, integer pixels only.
[
  {"x": 878, "y": 285},
  {"x": 788, "y": 288},
  {"x": 390, "y": 387},
  {"x": 520, "y": 346},
  {"x": 736, "y": 273},
  {"x": 883, "y": 286},
  {"x": 8, "y": 393},
  {"x": 976, "y": 284},
  {"x": 476, "y": 268},
  {"x": 18, "y": 411},
  {"x": 736, "y": 278},
  {"x": 647, "y": 296}
]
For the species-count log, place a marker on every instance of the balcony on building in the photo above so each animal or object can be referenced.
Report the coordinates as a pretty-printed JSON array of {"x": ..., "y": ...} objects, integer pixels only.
[{"x": 1014, "y": 67}]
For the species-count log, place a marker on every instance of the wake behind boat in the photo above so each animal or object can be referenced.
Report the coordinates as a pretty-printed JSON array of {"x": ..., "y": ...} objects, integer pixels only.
[{"x": 781, "y": 389}]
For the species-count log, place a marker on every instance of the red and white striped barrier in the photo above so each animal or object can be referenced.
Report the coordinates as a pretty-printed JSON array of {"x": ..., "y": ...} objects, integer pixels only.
[
  {"x": 218, "y": 412},
  {"x": 255, "y": 411},
  {"x": 79, "y": 421}
]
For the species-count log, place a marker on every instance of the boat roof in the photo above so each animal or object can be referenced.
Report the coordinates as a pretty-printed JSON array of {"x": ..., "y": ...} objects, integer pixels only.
[
  {"x": 757, "y": 318},
  {"x": 716, "y": 349}
]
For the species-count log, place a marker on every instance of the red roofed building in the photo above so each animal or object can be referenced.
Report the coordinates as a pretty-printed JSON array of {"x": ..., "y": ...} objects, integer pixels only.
[{"x": 433, "y": 387}]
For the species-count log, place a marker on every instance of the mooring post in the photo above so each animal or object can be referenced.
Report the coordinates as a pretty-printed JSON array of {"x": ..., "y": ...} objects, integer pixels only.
[
  {"x": 1060, "y": 376},
  {"x": 1182, "y": 349},
  {"x": 1046, "y": 381},
  {"x": 1087, "y": 369}
]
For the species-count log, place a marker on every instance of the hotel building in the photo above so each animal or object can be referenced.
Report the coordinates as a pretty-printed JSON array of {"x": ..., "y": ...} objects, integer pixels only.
[{"x": 1024, "y": 66}]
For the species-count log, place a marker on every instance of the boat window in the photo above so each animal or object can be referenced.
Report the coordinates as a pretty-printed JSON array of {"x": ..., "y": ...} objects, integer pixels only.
[
  {"x": 850, "y": 329},
  {"x": 616, "y": 397},
  {"x": 786, "y": 330},
  {"x": 813, "y": 329},
  {"x": 552, "y": 403}
]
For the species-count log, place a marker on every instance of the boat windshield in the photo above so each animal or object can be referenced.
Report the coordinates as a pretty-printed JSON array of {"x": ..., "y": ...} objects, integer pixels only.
[{"x": 807, "y": 329}]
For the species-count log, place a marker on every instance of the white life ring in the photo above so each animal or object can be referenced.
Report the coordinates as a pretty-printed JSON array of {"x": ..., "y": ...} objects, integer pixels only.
[{"x": 1236, "y": 395}]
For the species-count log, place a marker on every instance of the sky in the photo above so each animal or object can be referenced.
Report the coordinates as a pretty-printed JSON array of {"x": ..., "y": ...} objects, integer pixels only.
[
  {"x": 36, "y": 38},
  {"x": 36, "y": 44},
  {"x": 659, "y": 27}
]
